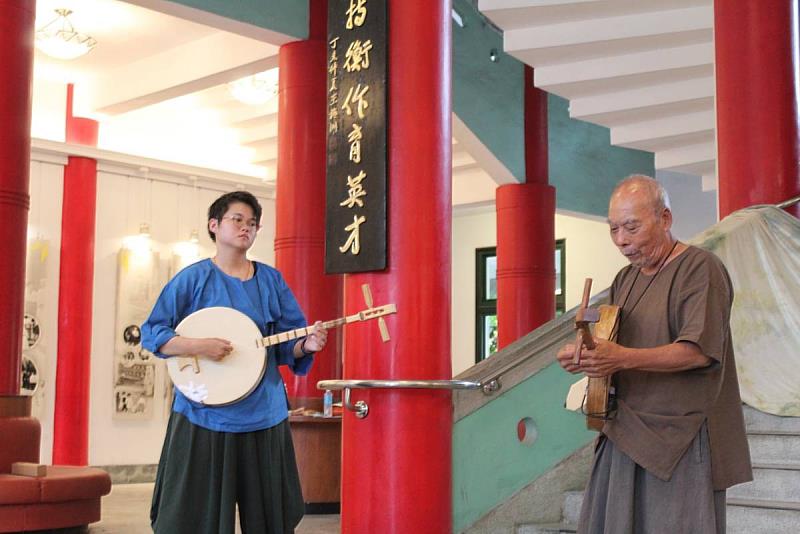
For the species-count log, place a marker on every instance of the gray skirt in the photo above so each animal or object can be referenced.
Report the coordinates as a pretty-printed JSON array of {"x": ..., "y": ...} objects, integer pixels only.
[
  {"x": 623, "y": 498},
  {"x": 202, "y": 475}
]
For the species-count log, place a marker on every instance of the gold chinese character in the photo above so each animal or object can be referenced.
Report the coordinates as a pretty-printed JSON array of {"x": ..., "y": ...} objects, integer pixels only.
[
  {"x": 354, "y": 138},
  {"x": 333, "y": 120},
  {"x": 353, "y": 242},
  {"x": 333, "y": 42},
  {"x": 356, "y": 97},
  {"x": 357, "y": 55},
  {"x": 355, "y": 191},
  {"x": 356, "y": 13}
]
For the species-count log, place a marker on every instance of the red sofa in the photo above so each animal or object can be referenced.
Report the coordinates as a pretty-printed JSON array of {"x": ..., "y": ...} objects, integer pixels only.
[{"x": 66, "y": 497}]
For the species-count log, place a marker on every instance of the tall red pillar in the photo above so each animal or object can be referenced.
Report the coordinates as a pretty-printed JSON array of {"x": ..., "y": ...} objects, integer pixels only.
[
  {"x": 300, "y": 196},
  {"x": 396, "y": 472},
  {"x": 526, "y": 232},
  {"x": 16, "y": 80},
  {"x": 758, "y": 148},
  {"x": 71, "y": 416}
]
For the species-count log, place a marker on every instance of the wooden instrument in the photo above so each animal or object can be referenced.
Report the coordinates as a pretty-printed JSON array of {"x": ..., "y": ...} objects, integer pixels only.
[
  {"x": 237, "y": 375},
  {"x": 596, "y": 404}
]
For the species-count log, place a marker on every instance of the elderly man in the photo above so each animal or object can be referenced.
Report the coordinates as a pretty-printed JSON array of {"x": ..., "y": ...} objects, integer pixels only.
[{"x": 676, "y": 440}]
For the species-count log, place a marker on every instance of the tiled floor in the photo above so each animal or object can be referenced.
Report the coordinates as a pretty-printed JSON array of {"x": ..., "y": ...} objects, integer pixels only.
[{"x": 126, "y": 511}]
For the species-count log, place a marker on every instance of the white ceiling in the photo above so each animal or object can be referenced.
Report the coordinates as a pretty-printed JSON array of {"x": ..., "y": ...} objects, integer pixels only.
[
  {"x": 644, "y": 69},
  {"x": 158, "y": 85}
]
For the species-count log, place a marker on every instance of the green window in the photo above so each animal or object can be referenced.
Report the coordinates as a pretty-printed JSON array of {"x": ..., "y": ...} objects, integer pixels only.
[{"x": 486, "y": 296}]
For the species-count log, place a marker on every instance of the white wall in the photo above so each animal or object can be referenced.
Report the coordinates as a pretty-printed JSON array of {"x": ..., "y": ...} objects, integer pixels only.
[
  {"x": 693, "y": 210},
  {"x": 589, "y": 253},
  {"x": 41, "y": 296},
  {"x": 124, "y": 200}
]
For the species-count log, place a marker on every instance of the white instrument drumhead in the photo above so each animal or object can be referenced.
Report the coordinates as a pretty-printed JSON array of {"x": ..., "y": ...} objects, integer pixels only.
[{"x": 236, "y": 375}]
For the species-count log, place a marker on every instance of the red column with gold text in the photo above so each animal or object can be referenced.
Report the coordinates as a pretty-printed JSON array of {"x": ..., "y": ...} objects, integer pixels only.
[{"x": 396, "y": 472}]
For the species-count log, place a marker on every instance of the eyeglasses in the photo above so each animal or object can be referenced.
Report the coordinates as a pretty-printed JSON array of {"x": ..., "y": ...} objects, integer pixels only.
[{"x": 241, "y": 222}]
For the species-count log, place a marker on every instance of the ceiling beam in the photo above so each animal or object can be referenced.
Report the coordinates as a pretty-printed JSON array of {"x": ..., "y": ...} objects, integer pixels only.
[
  {"x": 687, "y": 158},
  {"x": 669, "y": 96},
  {"x": 626, "y": 70},
  {"x": 665, "y": 128},
  {"x": 484, "y": 157},
  {"x": 598, "y": 30},
  {"x": 213, "y": 20},
  {"x": 180, "y": 71},
  {"x": 599, "y": 37}
]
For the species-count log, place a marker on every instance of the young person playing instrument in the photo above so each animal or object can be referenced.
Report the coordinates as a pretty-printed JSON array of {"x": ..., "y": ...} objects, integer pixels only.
[
  {"x": 676, "y": 441},
  {"x": 215, "y": 457}
]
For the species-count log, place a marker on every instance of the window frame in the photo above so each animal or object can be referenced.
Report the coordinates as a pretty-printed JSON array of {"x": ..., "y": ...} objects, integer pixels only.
[{"x": 487, "y": 307}]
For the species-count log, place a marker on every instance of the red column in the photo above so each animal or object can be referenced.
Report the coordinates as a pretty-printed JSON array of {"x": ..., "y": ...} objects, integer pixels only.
[
  {"x": 757, "y": 98},
  {"x": 16, "y": 78},
  {"x": 300, "y": 197},
  {"x": 71, "y": 416},
  {"x": 526, "y": 232},
  {"x": 396, "y": 472}
]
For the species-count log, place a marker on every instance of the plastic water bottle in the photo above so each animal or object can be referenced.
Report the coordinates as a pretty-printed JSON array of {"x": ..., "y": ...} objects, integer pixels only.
[{"x": 327, "y": 403}]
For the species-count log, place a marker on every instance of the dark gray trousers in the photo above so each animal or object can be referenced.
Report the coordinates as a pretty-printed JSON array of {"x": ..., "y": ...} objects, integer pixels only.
[
  {"x": 623, "y": 498},
  {"x": 202, "y": 475}
]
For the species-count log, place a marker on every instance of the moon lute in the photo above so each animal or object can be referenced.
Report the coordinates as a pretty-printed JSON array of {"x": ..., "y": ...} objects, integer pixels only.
[{"x": 234, "y": 377}]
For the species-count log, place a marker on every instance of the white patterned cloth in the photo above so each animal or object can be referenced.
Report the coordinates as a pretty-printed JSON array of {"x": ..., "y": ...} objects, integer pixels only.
[
  {"x": 760, "y": 247},
  {"x": 194, "y": 392}
]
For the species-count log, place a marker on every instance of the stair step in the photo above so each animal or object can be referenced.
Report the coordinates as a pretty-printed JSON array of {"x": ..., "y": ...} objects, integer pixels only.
[
  {"x": 551, "y": 528},
  {"x": 768, "y": 505},
  {"x": 753, "y": 516},
  {"x": 756, "y": 420},
  {"x": 571, "y": 509},
  {"x": 774, "y": 447},
  {"x": 744, "y": 516},
  {"x": 774, "y": 482}
]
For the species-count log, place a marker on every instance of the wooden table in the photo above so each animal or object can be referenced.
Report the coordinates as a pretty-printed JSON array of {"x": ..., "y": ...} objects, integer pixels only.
[{"x": 318, "y": 448}]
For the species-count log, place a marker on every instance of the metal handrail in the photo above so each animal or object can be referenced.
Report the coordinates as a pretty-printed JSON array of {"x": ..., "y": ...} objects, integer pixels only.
[
  {"x": 490, "y": 381},
  {"x": 397, "y": 384},
  {"x": 361, "y": 408},
  {"x": 786, "y": 203}
]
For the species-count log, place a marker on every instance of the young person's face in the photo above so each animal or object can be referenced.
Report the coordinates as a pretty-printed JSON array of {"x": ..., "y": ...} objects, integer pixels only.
[{"x": 237, "y": 228}]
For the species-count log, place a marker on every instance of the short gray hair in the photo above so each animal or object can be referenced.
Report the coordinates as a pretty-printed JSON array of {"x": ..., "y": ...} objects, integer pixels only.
[{"x": 654, "y": 189}]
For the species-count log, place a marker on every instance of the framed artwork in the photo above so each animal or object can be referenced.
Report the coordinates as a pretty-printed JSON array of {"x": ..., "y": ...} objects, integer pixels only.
[
  {"x": 136, "y": 370},
  {"x": 35, "y": 342}
]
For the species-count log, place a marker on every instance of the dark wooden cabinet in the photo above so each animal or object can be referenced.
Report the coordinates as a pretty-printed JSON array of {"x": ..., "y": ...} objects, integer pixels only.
[{"x": 318, "y": 448}]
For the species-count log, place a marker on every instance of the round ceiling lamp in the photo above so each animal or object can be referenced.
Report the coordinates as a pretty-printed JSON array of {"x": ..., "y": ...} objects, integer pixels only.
[
  {"x": 59, "y": 39},
  {"x": 257, "y": 89}
]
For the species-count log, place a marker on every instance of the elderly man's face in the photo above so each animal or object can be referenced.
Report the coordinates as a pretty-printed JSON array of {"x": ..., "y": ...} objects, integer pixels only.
[{"x": 640, "y": 234}]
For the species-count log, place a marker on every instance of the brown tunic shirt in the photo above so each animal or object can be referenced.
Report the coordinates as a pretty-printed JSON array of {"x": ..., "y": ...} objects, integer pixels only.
[{"x": 658, "y": 414}]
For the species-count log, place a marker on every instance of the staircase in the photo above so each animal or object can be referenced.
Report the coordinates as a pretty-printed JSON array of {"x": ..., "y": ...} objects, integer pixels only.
[
  {"x": 643, "y": 69},
  {"x": 770, "y": 504}
]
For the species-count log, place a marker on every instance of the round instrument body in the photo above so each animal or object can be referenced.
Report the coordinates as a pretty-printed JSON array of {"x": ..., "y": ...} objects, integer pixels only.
[{"x": 235, "y": 376}]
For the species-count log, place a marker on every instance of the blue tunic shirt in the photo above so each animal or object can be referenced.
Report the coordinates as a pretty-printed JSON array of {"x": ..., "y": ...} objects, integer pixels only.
[{"x": 203, "y": 285}]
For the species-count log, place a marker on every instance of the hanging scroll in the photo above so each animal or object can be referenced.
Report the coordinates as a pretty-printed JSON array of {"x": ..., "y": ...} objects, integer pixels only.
[{"x": 355, "y": 221}]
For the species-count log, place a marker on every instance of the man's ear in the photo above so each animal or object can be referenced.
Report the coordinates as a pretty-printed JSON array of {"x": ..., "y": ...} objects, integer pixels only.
[
  {"x": 666, "y": 218},
  {"x": 213, "y": 225}
]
